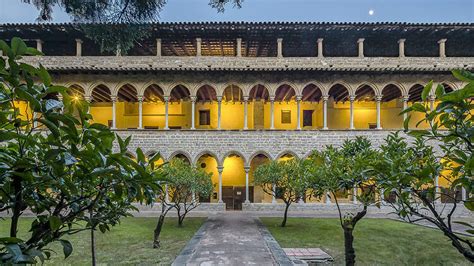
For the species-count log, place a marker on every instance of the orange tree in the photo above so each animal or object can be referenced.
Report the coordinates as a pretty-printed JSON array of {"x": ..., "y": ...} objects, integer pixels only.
[{"x": 56, "y": 164}]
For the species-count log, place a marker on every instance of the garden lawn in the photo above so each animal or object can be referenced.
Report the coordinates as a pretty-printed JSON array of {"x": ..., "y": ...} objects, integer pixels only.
[
  {"x": 376, "y": 241},
  {"x": 127, "y": 243}
]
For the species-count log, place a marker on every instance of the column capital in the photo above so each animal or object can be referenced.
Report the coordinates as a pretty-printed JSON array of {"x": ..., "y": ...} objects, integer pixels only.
[
  {"x": 298, "y": 98},
  {"x": 219, "y": 98},
  {"x": 87, "y": 98},
  {"x": 406, "y": 98},
  {"x": 113, "y": 98},
  {"x": 193, "y": 98},
  {"x": 140, "y": 98},
  {"x": 320, "y": 40},
  {"x": 325, "y": 98},
  {"x": 360, "y": 40},
  {"x": 79, "y": 41},
  {"x": 39, "y": 41},
  {"x": 272, "y": 98},
  {"x": 442, "y": 40},
  {"x": 401, "y": 41},
  {"x": 352, "y": 98},
  {"x": 220, "y": 169},
  {"x": 247, "y": 169},
  {"x": 378, "y": 98},
  {"x": 432, "y": 97},
  {"x": 280, "y": 40},
  {"x": 246, "y": 98},
  {"x": 166, "y": 98}
]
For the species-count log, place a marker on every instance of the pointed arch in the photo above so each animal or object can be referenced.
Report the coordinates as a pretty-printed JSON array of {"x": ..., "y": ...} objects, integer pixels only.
[
  {"x": 232, "y": 152},
  {"x": 258, "y": 92},
  {"x": 285, "y": 93},
  {"x": 101, "y": 93}
]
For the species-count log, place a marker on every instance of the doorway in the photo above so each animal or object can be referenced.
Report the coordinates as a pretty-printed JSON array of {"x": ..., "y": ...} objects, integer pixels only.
[{"x": 234, "y": 197}]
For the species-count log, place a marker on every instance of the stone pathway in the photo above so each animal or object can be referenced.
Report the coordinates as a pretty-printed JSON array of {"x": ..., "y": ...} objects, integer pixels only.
[{"x": 232, "y": 239}]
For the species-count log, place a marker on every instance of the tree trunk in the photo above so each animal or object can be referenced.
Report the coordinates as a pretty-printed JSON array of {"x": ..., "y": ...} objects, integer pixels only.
[
  {"x": 285, "y": 215},
  {"x": 157, "y": 232},
  {"x": 181, "y": 219},
  {"x": 348, "y": 245},
  {"x": 17, "y": 206}
]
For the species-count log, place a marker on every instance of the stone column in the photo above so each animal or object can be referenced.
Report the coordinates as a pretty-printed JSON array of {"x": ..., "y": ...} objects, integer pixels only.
[
  {"x": 140, "y": 111},
  {"x": 193, "y": 111},
  {"x": 351, "y": 100},
  {"x": 442, "y": 47},
  {"x": 246, "y": 100},
  {"x": 354, "y": 196},
  {"x": 325, "y": 112},
  {"x": 39, "y": 45},
  {"x": 432, "y": 99},
  {"x": 273, "y": 196},
  {"x": 220, "y": 169},
  {"x": 463, "y": 194},
  {"x": 35, "y": 123},
  {"x": 78, "y": 47},
  {"x": 328, "y": 198},
  {"x": 114, "y": 118},
  {"x": 405, "y": 105},
  {"x": 239, "y": 47},
  {"x": 247, "y": 169},
  {"x": 272, "y": 112},
  {"x": 167, "y": 195},
  {"x": 219, "y": 110},
  {"x": 298, "y": 111},
  {"x": 382, "y": 197},
  {"x": 87, "y": 98},
  {"x": 279, "y": 47},
  {"x": 198, "y": 46},
  {"x": 118, "y": 50},
  {"x": 158, "y": 47},
  {"x": 360, "y": 44},
  {"x": 378, "y": 99},
  {"x": 166, "y": 98},
  {"x": 320, "y": 48},
  {"x": 401, "y": 48}
]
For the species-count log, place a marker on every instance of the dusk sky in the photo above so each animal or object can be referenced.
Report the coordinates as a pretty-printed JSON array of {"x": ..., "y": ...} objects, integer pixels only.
[{"x": 287, "y": 10}]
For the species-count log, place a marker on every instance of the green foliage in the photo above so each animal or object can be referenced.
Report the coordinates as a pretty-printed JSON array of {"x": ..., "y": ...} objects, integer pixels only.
[{"x": 57, "y": 164}]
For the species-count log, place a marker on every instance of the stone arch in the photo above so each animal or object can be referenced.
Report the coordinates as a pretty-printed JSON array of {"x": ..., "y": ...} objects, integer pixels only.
[
  {"x": 414, "y": 93},
  {"x": 205, "y": 152},
  {"x": 127, "y": 93},
  {"x": 179, "y": 92},
  {"x": 232, "y": 152},
  {"x": 311, "y": 93},
  {"x": 178, "y": 153},
  {"x": 339, "y": 92},
  {"x": 153, "y": 93},
  {"x": 101, "y": 93},
  {"x": 168, "y": 89},
  {"x": 290, "y": 84},
  {"x": 373, "y": 86},
  {"x": 365, "y": 92},
  {"x": 285, "y": 93},
  {"x": 152, "y": 152},
  {"x": 287, "y": 152},
  {"x": 390, "y": 92},
  {"x": 448, "y": 86},
  {"x": 232, "y": 91},
  {"x": 399, "y": 85},
  {"x": 259, "y": 152},
  {"x": 258, "y": 92},
  {"x": 76, "y": 91},
  {"x": 120, "y": 85},
  {"x": 206, "y": 93}
]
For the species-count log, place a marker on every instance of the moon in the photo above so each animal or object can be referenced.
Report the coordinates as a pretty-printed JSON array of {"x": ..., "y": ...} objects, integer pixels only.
[{"x": 371, "y": 12}]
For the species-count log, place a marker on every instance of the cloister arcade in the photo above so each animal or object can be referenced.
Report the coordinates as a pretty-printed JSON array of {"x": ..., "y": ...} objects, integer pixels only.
[{"x": 234, "y": 106}]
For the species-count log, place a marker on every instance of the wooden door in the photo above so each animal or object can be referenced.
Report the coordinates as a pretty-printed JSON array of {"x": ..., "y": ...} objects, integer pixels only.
[
  {"x": 228, "y": 197},
  {"x": 258, "y": 115}
]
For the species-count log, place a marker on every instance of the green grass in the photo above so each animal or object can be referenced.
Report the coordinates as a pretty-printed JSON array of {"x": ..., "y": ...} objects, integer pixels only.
[
  {"x": 128, "y": 243},
  {"x": 376, "y": 241}
]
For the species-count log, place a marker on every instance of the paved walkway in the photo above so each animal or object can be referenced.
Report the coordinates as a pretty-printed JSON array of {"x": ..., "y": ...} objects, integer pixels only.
[{"x": 232, "y": 239}]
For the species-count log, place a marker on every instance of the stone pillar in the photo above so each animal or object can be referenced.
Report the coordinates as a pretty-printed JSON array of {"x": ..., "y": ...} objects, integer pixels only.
[
  {"x": 193, "y": 111},
  {"x": 247, "y": 169},
  {"x": 273, "y": 196},
  {"x": 320, "y": 48},
  {"x": 378, "y": 99},
  {"x": 328, "y": 198},
  {"x": 272, "y": 112},
  {"x": 246, "y": 100},
  {"x": 405, "y": 106},
  {"x": 401, "y": 48},
  {"x": 351, "y": 100},
  {"x": 432, "y": 99},
  {"x": 39, "y": 45},
  {"x": 166, "y": 112},
  {"x": 118, "y": 50},
  {"x": 354, "y": 196},
  {"x": 114, "y": 118},
  {"x": 198, "y": 46},
  {"x": 360, "y": 44},
  {"x": 158, "y": 47},
  {"x": 167, "y": 195},
  {"x": 87, "y": 98},
  {"x": 219, "y": 110},
  {"x": 239, "y": 47},
  {"x": 298, "y": 112},
  {"x": 442, "y": 47},
  {"x": 382, "y": 197},
  {"x": 325, "y": 112},
  {"x": 78, "y": 47},
  {"x": 140, "y": 111},
  {"x": 279, "y": 47},
  {"x": 35, "y": 123},
  {"x": 220, "y": 169},
  {"x": 463, "y": 194}
]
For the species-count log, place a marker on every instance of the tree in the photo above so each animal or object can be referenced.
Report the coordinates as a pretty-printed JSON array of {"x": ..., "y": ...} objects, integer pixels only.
[
  {"x": 346, "y": 168},
  {"x": 410, "y": 172},
  {"x": 185, "y": 183},
  {"x": 56, "y": 164},
  {"x": 286, "y": 180}
]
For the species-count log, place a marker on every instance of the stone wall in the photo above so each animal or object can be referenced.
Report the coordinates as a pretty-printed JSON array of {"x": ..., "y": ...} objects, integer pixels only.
[{"x": 245, "y": 143}]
